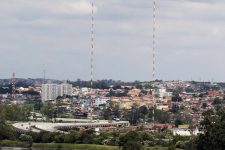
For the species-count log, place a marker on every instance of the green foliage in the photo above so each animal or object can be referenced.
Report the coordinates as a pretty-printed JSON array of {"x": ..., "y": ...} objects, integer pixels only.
[
  {"x": 15, "y": 112},
  {"x": 48, "y": 110},
  {"x": 38, "y": 105},
  {"x": 177, "y": 99},
  {"x": 72, "y": 137},
  {"x": 6, "y": 132},
  {"x": 88, "y": 137},
  {"x": 178, "y": 122},
  {"x": 26, "y": 138},
  {"x": 131, "y": 141},
  {"x": 191, "y": 144},
  {"x": 9, "y": 143},
  {"x": 171, "y": 146},
  {"x": 46, "y": 137},
  {"x": 75, "y": 146},
  {"x": 217, "y": 101},
  {"x": 132, "y": 145},
  {"x": 107, "y": 114},
  {"x": 36, "y": 136},
  {"x": 214, "y": 127},
  {"x": 159, "y": 115},
  {"x": 181, "y": 139},
  {"x": 180, "y": 144},
  {"x": 59, "y": 138},
  {"x": 175, "y": 109}
]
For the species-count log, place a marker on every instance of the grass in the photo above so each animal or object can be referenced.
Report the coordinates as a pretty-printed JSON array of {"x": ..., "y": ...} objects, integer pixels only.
[
  {"x": 74, "y": 146},
  {"x": 158, "y": 148},
  {"x": 9, "y": 143}
]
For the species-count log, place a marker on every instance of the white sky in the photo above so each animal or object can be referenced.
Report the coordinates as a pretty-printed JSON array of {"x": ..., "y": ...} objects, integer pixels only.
[{"x": 55, "y": 35}]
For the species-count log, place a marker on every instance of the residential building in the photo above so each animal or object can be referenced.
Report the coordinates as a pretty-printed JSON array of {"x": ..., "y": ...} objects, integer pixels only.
[
  {"x": 49, "y": 92},
  {"x": 52, "y": 91}
]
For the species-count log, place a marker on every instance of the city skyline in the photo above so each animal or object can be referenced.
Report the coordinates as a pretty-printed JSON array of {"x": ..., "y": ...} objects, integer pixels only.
[{"x": 55, "y": 36}]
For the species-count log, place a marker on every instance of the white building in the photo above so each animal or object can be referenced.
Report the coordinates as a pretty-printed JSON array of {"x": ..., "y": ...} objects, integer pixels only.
[
  {"x": 65, "y": 89},
  {"x": 161, "y": 92},
  {"x": 100, "y": 101},
  {"x": 52, "y": 91},
  {"x": 186, "y": 132},
  {"x": 49, "y": 92}
]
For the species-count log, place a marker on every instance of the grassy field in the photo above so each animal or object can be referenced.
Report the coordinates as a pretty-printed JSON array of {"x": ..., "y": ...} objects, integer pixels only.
[
  {"x": 9, "y": 143},
  {"x": 158, "y": 148},
  {"x": 74, "y": 146}
]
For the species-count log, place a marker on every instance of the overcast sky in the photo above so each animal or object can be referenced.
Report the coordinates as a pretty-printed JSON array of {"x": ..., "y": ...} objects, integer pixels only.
[{"x": 55, "y": 35}]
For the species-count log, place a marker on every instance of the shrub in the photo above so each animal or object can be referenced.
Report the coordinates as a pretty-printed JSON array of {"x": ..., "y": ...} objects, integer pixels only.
[{"x": 26, "y": 138}]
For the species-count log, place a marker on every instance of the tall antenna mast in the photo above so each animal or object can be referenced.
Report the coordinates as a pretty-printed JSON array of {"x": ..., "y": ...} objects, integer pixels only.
[
  {"x": 92, "y": 54},
  {"x": 153, "y": 54},
  {"x": 154, "y": 41},
  {"x": 92, "y": 42}
]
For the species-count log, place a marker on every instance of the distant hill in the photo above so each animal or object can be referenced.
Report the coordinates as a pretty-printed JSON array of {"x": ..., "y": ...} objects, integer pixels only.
[
  {"x": 26, "y": 82},
  {"x": 102, "y": 84}
]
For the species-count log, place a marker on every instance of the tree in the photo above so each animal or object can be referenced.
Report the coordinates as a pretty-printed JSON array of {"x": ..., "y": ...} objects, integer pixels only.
[
  {"x": 15, "y": 112},
  {"x": 175, "y": 109},
  {"x": 214, "y": 131},
  {"x": 130, "y": 141},
  {"x": 107, "y": 114},
  {"x": 143, "y": 111},
  {"x": 171, "y": 146},
  {"x": 111, "y": 93},
  {"x": 47, "y": 110},
  {"x": 159, "y": 115},
  {"x": 178, "y": 122},
  {"x": 6, "y": 132},
  {"x": 204, "y": 105},
  {"x": 26, "y": 138},
  {"x": 88, "y": 136},
  {"x": 217, "y": 101},
  {"x": 177, "y": 98},
  {"x": 37, "y": 105},
  {"x": 46, "y": 137},
  {"x": 59, "y": 138},
  {"x": 134, "y": 114}
]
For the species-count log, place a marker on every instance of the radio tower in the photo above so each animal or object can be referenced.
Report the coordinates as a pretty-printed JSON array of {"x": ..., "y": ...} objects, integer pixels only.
[
  {"x": 13, "y": 86},
  {"x": 154, "y": 40},
  {"x": 92, "y": 54},
  {"x": 153, "y": 55}
]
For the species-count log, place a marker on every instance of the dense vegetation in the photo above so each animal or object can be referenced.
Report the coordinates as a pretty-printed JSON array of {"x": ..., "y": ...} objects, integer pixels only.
[{"x": 213, "y": 126}]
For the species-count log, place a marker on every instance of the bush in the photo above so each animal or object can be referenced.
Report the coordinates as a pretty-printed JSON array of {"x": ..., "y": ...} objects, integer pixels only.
[
  {"x": 26, "y": 138},
  {"x": 46, "y": 137},
  {"x": 59, "y": 138},
  {"x": 132, "y": 145},
  {"x": 131, "y": 141},
  {"x": 180, "y": 144}
]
